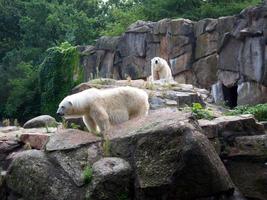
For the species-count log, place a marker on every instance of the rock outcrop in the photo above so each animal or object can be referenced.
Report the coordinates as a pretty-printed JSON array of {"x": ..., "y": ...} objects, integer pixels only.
[
  {"x": 165, "y": 155},
  {"x": 229, "y": 51}
]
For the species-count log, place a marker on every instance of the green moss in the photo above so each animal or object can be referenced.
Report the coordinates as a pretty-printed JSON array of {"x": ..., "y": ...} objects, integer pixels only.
[
  {"x": 88, "y": 174},
  {"x": 59, "y": 73},
  {"x": 103, "y": 81},
  {"x": 259, "y": 111}
]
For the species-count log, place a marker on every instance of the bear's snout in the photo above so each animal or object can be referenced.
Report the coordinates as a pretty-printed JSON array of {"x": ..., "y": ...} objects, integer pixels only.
[
  {"x": 156, "y": 61},
  {"x": 60, "y": 113}
]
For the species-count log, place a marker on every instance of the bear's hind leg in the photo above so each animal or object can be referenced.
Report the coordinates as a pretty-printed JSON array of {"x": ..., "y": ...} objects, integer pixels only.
[{"x": 142, "y": 110}]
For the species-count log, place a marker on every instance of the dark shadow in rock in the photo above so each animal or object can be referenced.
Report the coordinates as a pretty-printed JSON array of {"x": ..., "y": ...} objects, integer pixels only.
[{"x": 230, "y": 95}]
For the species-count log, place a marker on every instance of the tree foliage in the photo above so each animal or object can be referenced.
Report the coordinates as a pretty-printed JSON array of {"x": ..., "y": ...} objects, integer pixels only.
[
  {"x": 59, "y": 73},
  {"x": 29, "y": 74}
]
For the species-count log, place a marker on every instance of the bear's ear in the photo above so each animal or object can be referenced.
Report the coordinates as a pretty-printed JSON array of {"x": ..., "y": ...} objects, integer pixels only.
[{"x": 70, "y": 102}]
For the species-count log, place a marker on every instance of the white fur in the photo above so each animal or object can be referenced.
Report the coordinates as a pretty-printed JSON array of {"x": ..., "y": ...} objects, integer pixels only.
[
  {"x": 102, "y": 108},
  {"x": 160, "y": 70}
]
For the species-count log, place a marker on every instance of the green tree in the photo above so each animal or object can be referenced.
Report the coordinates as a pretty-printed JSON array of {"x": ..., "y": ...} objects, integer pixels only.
[
  {"x": 23, "y": 101},
  {"x": 59, "y": 73}
]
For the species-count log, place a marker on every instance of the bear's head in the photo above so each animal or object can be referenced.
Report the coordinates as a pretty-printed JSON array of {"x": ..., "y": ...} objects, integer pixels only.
[
  {"x": 156, "y": 63},
  {"x": 65, "y": 108}
]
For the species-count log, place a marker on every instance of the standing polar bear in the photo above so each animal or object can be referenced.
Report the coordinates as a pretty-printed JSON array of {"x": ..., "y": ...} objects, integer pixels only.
[
  {"x": 160, "y": 70},
  {"x": 102, "y": 108}
]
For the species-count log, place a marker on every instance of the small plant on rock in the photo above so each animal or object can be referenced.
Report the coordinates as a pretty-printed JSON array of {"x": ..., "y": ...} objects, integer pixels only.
[
  {"x": 6, "y": 122},
  {"x": 75, "y": 126},
  {"x": 87, "y": 174},
  {"x": 199, "y": 112},
  {"x": 259, "y": 111},
  {"x": 16, "y": 123},
  {"x": 64, "y": 123},
  {"x": 150, "y": 86},
  {"x": 106, "y": 147}
]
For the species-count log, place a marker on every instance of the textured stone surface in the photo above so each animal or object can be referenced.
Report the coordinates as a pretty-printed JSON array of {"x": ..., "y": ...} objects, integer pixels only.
[
  {"x": 205, "y": 71},
  {"x": 228, "y": 78},
  {"x": 246, "y": 162},
  {"x": 112, "y": 179},
  {"x": 35, "y": 140},
  {"x": 74, "y": 161},
  {"x": 238, "y": 125},
  {"x": 249, "y": 146},
  {"x": 7, "y": 148},
  {"x": 251, "y": 93},
  {"x": 40, "y": 121},
  {"x": 70, "y": 139},
  {"x": 217, "y": 93},
  {"x": 181, "y": 63},
  {"x": 34, "y": 177},
  {"x": 206, "y": 44},
  {"x": 162, "y": 146}
]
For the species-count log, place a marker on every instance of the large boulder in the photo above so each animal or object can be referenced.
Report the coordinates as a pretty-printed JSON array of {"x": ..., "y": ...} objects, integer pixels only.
[
  {"x": 172, "y": 160},
  {"x": 73, "y": 150},
  {"x": 41, "y": 121},
  {"x": 32, "y": 176},
  {"x": 112, "y": 179}
]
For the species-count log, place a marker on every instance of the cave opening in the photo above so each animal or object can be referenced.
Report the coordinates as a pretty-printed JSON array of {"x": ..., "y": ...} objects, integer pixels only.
[{"x": 230, "y": 95}]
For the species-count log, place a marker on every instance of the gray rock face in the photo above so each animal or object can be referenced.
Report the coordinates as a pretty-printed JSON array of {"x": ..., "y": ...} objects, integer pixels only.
[
  {"x": 194, "y": 50},
  {"x": 241, "y": 142},
  {"x": 112, "y": 179},
  {"x": 40, "y": 121},
  {"x": 168, "y": 156},
  {"x": 72, "y": 150},
  {"x": 206, "y": 71},
  {"x": 246, "y": 163},
  {"x": 250, "y": 176},
  {"x": 238, "y": 125},
  {"x": 70, "y": 139},
  {"x": 33, "y": 177},
  {"x": 256, "y": 93}
]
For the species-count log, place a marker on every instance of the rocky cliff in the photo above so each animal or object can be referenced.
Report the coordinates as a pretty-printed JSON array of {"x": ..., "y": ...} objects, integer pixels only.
[{"x": 225, "y": 54}]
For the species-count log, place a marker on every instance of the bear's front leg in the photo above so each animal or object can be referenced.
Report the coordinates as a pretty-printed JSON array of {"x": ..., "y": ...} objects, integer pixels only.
[
  {"x": 90, "y": 124},
  {"x": 100, "y": 116}
]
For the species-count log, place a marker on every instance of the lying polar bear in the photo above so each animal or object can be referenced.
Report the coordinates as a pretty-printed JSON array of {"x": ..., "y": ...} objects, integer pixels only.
[
  {"x": 102, "y": 108},
  {"x": 160, "y": 70}
]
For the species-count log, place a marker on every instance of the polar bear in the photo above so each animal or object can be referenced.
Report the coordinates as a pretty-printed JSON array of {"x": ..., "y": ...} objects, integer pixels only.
[
  {"x": 160, "y": 70},
  {"x": 102, "y": 108}
]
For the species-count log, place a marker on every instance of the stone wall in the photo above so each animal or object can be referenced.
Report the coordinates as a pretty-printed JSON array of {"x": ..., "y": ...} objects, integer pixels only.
[{"x": 211, "y": 53}]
